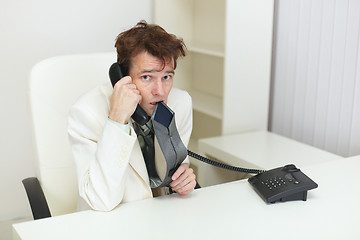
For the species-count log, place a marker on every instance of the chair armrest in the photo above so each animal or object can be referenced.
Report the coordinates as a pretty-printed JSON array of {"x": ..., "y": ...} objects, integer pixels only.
[{"x": 37, "y": 200}]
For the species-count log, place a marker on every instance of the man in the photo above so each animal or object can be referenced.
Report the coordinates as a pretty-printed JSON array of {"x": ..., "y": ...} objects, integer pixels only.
[{"x": 107, "y": 146}]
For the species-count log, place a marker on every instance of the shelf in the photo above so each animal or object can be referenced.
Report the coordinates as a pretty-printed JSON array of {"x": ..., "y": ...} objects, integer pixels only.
[
  {"x": 216, "y": 50},
  {"x": 206, "y": 103}
]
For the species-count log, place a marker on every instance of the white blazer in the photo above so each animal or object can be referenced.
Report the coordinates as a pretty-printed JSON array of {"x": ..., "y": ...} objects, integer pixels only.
[{"x": 110, "y": 165}]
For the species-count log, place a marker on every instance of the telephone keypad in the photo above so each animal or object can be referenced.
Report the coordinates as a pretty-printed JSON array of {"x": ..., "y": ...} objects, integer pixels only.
[{"x": 274, "y": 183}]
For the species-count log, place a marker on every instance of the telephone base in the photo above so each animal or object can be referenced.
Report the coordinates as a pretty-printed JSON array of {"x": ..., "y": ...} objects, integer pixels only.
[
  {"x": 293, "y": 197},
  {"x": 282, "y": 184}
]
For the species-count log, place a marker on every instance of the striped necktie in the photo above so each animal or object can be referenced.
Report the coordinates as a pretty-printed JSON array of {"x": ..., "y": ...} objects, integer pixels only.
[{"x": 145, "y": 135}]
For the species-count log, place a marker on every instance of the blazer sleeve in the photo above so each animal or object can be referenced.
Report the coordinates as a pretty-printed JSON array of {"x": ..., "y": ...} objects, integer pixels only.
[{"x": 101, "y": 151}]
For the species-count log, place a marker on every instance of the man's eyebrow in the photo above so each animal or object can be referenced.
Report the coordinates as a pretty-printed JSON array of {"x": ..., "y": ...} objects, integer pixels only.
[
  {"x": 146, "y": 71},
  {"x": 153, "y": 70},
  {"x": 170, "y": 71}
]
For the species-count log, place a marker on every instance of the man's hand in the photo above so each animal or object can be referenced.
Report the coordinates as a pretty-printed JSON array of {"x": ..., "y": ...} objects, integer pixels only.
[
  {"x": 124, "y": 100},
  {"x": 183, "y": 180}
]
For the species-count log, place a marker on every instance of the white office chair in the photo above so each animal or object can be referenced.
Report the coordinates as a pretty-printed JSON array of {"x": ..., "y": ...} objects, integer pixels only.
[{"x": 54, "y": 85}]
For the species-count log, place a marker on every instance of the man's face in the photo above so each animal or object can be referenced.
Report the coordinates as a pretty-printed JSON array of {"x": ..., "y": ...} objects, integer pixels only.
[{"x": 152, "y": 79}]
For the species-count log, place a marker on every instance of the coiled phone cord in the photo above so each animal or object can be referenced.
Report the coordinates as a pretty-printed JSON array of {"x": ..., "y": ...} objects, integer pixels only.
[
  {"x": 222, "y": 165},
  {"x": 217, "y": 164}
]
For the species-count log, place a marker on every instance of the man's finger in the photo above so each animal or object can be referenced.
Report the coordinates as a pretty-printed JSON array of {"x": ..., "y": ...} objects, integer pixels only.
[
  {"x": 187, "y": 188},
  {"x": 179, "y": 171},
  {"x": 124, "y": 80},
  {"x": 186, "y": 177}
]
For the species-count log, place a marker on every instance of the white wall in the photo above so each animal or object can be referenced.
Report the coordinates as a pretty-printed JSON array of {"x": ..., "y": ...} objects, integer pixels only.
[
  {"x": 316, "y": 73},
  {"x": 29, "y": 32}
]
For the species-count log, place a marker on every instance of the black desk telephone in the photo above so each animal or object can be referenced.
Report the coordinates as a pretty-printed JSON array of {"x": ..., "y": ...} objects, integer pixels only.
[{"x": 282, "y": 184}]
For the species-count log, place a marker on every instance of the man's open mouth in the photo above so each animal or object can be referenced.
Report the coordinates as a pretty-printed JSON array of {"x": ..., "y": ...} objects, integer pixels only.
[{"x": 154, "y": 103}]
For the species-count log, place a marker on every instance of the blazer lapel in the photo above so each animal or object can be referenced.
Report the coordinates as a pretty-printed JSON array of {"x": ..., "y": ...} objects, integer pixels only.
[{"x": 137, "y": 160}]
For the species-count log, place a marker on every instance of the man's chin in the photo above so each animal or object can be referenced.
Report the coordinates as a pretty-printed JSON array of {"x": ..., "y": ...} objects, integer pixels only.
[{"x": 149, "y": 111}]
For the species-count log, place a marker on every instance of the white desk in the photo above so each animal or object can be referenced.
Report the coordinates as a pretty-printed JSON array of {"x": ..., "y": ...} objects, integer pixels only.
[
  {"x": 262, "y": 149},
  {"x": 227, "y": 211}
]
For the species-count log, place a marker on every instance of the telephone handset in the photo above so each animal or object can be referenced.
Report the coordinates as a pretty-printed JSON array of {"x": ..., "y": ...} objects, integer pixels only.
[{"x": 116, "y": 72}]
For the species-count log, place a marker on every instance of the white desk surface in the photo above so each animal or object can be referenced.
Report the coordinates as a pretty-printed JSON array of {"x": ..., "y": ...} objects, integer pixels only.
[
  {"x": 227, "y": 211},
  {"x": 262, "y": 149}
]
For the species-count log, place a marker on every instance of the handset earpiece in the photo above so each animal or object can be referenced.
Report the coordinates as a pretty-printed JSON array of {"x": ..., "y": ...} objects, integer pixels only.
[{"x": 115, "y": 73}]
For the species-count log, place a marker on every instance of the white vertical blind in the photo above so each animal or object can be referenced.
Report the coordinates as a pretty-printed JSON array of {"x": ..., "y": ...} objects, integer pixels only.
[{"x": 316, "y": 73}]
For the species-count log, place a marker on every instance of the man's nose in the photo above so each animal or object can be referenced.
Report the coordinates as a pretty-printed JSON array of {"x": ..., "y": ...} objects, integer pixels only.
[{"x": 158, "y": 88}]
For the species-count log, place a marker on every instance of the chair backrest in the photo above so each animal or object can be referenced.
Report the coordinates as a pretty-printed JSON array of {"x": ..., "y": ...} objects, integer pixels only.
[{"x": 54, "y": 85}]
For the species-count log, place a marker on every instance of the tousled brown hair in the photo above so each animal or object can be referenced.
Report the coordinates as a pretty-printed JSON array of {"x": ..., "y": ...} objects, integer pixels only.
[{"x": 150, "y": 38}]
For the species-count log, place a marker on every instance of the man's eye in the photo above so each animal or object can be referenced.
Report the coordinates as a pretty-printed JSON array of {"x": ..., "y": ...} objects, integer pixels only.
[
  {"x": 167, "y": 77},
  {"x": 145, "y": 78}
]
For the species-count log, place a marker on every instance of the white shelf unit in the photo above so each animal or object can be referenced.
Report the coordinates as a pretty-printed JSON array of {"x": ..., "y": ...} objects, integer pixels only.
[{"x": 227, "y": 69}]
